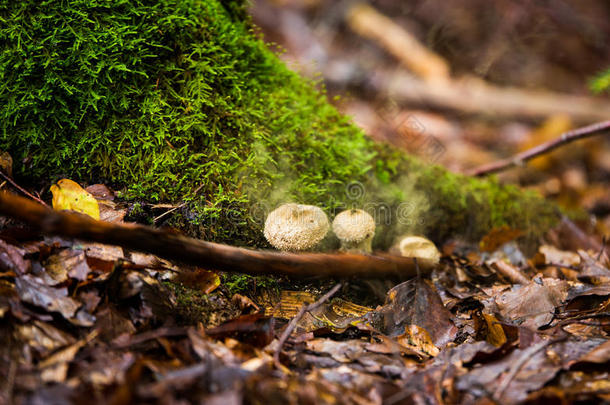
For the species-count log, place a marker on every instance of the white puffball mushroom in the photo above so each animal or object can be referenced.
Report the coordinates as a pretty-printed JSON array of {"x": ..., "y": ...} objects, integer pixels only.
[
  {"x": 355, "y": 229},
  {"x": 293, "y": 227},
  {"x": 418, "y": 247}
]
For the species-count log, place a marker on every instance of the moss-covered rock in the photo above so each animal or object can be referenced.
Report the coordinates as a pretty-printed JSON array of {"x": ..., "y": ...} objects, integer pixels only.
[{"x": 173, "y": 100}]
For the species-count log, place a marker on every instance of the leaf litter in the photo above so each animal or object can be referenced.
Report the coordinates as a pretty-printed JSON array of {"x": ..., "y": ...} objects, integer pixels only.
[{"x": 87, "y": 320}]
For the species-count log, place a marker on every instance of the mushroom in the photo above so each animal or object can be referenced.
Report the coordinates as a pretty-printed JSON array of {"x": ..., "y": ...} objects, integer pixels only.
[
  {"x": 418, "y": 247},
  {"x": 355, "y": 229},
  {"x": 292, "y": 227}
]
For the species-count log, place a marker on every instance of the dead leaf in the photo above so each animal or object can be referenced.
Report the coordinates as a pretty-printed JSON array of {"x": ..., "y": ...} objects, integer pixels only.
[
  {"x": 592, "y": 270},
  {"x": 33, "y": 291},
  {"x": 532, "y": 305},
  {"x": 68, "y": 262},
  {"x": 69, "y": 195},
  {"x": 6, "y": 163},
  {"x": 498, "y": 237},
  {"x": 414, "y": 302},
  {"x": 495, "y": 332},
  {"x": 254, "y": 329},
  {"x": 418, "y": 338},
  {"x": 199, "y": 279},
  {"x": 11, "y": 259},
  {"x": 551, "y": 255}
]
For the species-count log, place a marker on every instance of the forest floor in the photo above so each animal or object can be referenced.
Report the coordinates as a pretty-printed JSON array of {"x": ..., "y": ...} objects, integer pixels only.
[{"x": 495, "y": 321}]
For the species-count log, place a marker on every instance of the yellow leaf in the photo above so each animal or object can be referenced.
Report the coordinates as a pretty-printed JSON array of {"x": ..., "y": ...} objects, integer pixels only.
[{"x": 68, "y": 195}]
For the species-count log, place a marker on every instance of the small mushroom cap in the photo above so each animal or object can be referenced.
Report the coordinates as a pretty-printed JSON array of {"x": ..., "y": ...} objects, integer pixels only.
[
  {"x": 417, "y": 246},
  {"x": 354, "y": 226},
  {"x": 296, "y": 226}
]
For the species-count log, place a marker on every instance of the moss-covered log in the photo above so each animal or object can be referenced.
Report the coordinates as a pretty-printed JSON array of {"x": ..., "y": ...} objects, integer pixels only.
[{"x": 171, "y": 100}]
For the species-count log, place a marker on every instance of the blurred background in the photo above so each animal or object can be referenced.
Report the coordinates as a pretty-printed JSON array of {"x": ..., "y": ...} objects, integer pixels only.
[{"x": 463, "y": 83}]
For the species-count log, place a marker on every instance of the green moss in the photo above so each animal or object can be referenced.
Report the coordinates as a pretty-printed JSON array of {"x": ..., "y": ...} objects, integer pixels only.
[
  {"x": 161, "y": 98},
  {"x": 249, "y": 285},
  {"x": 193, "y": 306}
]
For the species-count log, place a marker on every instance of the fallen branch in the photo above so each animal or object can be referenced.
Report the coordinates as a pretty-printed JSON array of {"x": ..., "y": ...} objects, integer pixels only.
[
  {"x": 430, "y": 82},
  {"x": 520, "y": 158},
  {"x": 293, "y": 322},
  {"x": 212, "y": 256},
  {"x": 471, "y": 95}
]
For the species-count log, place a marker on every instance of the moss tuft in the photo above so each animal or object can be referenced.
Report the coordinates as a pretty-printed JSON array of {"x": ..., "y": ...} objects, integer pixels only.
[{"x": 173, "y": 100}]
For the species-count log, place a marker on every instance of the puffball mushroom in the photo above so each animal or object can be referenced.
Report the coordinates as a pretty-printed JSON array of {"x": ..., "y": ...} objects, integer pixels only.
[
  {"x": 355, "y": 229},
  {"x": 418, "y": 247},
  {"x": 292, "y": 227}
]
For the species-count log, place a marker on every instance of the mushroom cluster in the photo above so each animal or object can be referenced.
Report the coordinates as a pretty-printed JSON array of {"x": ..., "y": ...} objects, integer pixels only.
[{"x": 296, "y": 227}]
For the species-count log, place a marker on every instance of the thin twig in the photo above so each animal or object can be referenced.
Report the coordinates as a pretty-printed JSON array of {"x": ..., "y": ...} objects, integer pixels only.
[
  {"x": 601, "y": 251},
  {"x": 294, "y": 321},
  {"x": 174, "y": 208},
  {"x": 541, "y": 149},
  {"x": 21, "y": 189}
]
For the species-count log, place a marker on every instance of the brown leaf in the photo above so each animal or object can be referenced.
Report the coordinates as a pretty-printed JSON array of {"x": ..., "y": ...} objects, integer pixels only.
[
  {"x": 68, "y": 262},
  {"x": 532, "y": 305},
  {"x": 512, "y": 377},
  {"x": 33, "y": 291},
  {"x": 497, "y": 237},
  {"x": 495, "y": 332},
  {"x": 592, "y": 270},
  {"x": 600, "y": 354},
  {"x": 415, "y": 302},
  {"x": 199, "y": 279},
  {"x": 255, "y": 329},
  {"x": 11, "y": 259},
  {"x": 418, "y": 338}
]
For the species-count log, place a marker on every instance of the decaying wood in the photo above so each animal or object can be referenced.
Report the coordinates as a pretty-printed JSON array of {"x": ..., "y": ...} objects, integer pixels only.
[
  {"x": 212, "y": 256},
  {"x": 294, "y": 321},
  {"x": 430, "y": 82},
  {"x": 520, "y": 158}
]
